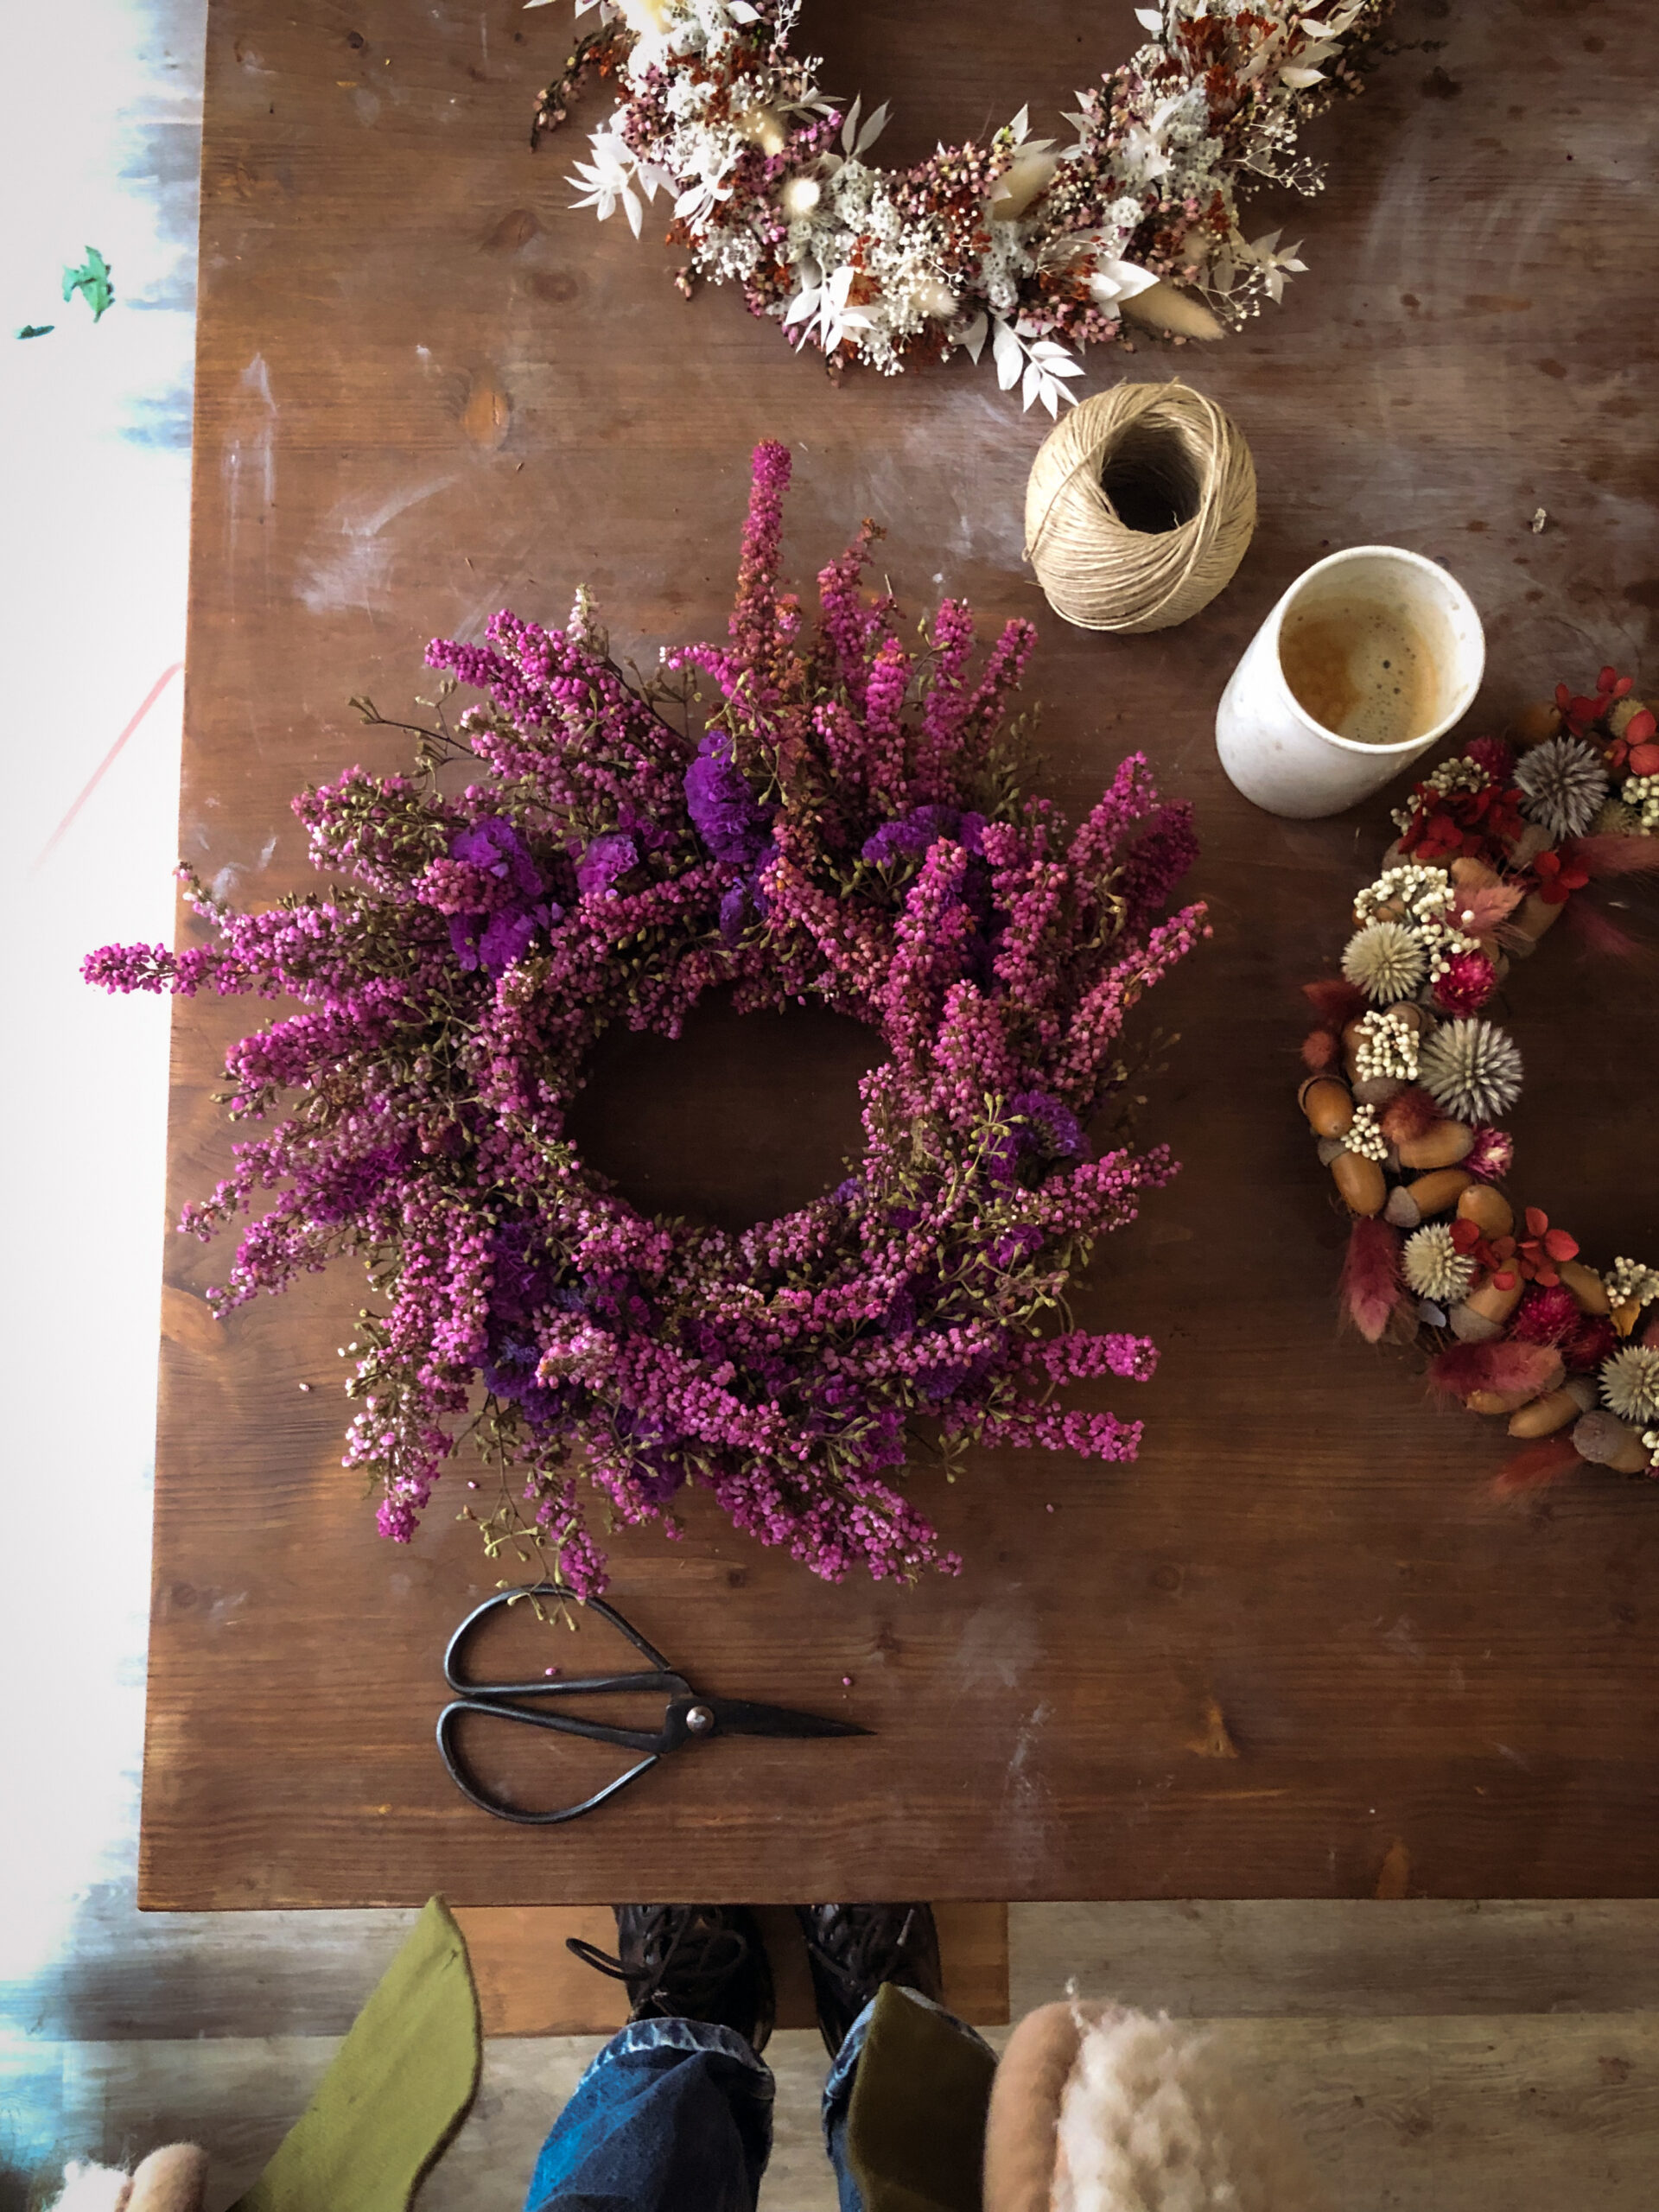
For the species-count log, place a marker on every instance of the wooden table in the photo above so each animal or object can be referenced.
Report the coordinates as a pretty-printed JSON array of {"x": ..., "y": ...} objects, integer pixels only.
[{"x": 1293, "y": 1650}]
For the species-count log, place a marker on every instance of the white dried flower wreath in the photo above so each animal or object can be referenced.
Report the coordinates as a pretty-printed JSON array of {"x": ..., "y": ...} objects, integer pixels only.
[{"x": 1036, "y": 248}]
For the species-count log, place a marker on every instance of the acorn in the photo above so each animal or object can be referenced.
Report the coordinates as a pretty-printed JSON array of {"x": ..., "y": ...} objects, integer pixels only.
[
  {"x": 1350, "y": 1046},
  {"x": 1549, "y": 1415},
  {"x": 1606, "y": 1441},
  {"x": 1470, "y": 874},
  {"x": 1471, "y": 1328},
  {"x": 1489, "y": 1211},
  {"x": 1360, "y": 1181},
  {"x": 1443, "y": 1146},
  {"x": 1589, "y": 1292},
  {"x": 1413, "y": 1203},
  {"x": 1535, "y": 916},
  {"x": 1537, "y": 724},
  {"x": 1328, "y": 1105},
  {"x": 1483, "y": 1311},
  {"x": 1511, "y": 1401},
  {"x": 1330, "y": 1149}
]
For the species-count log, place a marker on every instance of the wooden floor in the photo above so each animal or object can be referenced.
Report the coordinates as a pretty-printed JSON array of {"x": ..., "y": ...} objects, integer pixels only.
[{"x": 1438, "y": 2057}]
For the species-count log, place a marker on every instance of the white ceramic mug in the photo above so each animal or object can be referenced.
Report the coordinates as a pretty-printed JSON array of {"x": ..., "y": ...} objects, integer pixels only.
[{"x": 1274, "y": 750}]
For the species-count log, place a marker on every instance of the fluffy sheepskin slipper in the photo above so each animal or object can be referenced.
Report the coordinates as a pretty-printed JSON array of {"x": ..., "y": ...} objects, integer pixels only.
[
  {"x": 170, "y": 2180},
  {"x": 1095, "y": 2108}
]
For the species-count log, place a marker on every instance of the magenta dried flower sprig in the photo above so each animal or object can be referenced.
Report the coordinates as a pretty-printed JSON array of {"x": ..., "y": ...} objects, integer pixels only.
[{"x": 848, "y": 827}]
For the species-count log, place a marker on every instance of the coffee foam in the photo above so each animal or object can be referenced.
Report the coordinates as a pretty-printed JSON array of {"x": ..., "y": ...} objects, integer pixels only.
[{"x": 1362, "y": 669}]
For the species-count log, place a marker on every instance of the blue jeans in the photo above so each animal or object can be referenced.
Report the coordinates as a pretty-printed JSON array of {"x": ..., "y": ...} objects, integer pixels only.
[{"x": 675, "y": 2116}]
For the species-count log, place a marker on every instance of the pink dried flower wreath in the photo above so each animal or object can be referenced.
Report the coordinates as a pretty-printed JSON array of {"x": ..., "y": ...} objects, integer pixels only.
[{"x": 850, "y": 829}]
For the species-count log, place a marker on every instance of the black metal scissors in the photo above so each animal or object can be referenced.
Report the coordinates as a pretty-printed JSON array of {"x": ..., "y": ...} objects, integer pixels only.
[{"x": 688, "y": 1716}]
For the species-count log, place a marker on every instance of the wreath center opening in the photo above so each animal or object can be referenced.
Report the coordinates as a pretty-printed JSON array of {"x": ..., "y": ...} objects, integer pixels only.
[{"x": 742, "y": 1118}]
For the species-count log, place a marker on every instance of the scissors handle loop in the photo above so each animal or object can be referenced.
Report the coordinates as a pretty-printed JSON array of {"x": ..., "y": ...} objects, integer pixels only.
[
  {"x": 560, "y": 1595},
  {"x": 462, "y": 1775}
]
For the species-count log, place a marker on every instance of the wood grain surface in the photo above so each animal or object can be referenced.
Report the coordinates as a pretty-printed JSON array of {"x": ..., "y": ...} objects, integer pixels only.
[{"x": 427, "y": 388}]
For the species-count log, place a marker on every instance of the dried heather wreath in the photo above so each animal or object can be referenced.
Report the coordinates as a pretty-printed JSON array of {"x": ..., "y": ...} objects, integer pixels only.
[
  {"x": 848, "y": 827},
  {"x": 1035, "y": 249},
  {"x": 1410, "y": 1079}
]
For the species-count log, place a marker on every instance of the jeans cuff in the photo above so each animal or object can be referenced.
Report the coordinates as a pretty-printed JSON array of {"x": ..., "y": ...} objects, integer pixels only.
[{"x": 673, "y": 2033}]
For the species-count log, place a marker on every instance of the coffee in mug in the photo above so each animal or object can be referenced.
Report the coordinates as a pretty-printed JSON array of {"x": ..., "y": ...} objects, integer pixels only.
[{"x": 1362, "y": 669}]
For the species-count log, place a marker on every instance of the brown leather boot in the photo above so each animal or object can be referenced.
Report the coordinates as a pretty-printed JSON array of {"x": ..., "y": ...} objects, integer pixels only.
[
  {"x": 854, "y": 1948},
  {"x": 690, "y": 1962}
]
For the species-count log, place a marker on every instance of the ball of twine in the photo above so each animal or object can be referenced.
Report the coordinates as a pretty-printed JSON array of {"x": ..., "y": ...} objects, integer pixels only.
[{"x": 1141, "y": 504}]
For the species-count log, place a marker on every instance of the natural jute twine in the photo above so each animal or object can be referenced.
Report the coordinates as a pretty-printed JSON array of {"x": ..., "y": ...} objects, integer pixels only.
[{"x": 1160, "y": 454}]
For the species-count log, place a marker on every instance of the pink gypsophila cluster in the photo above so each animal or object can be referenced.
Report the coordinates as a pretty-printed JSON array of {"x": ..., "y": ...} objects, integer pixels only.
[{"x": 846, "y": 827}]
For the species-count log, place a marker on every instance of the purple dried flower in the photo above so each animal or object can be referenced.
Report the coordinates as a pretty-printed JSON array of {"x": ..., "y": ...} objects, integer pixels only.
[
  {"x": 723, "y": 807},
  {"x": 493, "y": 844},
  {"x": 605, "y": 861}
]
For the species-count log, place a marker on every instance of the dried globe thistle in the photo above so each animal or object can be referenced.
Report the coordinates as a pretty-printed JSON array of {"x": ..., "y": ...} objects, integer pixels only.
[
  {"x": 1615, "y": 819},
  {"x": 1629, "y": 1382},
  {"x": 1434, "y": 1266},
  {"x": 1386, "y": 961},
  {"x": 1363, "y": 1136},
  {"x": 1564, "y": 784},
  {"x": 1471, "y": 1068},
  {"x": 1628, "y": 1283},
  {"x": 1385, "y": 1045}
]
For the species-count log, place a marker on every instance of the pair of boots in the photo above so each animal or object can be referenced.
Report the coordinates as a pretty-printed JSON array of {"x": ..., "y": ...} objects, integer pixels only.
[{"x": 708, "y": 1962}]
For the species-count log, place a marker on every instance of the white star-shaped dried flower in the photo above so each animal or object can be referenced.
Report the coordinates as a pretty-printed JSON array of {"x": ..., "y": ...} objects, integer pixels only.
[
  {"x": 609, "y": 180},
  {"x": 1275, "y": 262}
]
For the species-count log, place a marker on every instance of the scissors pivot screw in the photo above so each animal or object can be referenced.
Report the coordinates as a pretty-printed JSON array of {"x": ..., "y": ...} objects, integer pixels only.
[{"x": 699, "y": 1721}]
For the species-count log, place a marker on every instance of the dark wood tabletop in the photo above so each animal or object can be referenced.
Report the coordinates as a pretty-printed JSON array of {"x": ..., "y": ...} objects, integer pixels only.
[{"x": 1294, "y": 1650}]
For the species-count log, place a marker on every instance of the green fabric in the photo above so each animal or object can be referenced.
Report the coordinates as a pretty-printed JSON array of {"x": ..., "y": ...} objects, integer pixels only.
[
  {"x": 397, "y": 2090},
  {"x": 916, "y": 2124}
]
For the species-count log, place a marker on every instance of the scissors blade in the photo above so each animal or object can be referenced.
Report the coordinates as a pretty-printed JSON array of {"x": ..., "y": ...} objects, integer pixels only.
[{"x": 737, "y": 1717}]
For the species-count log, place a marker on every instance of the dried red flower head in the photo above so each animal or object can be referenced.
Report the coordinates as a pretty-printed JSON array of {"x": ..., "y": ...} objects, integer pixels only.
[
  {"x": 1542, "y": 1247},
  {"x": 1494, "y": 1255},
  {"x": 1634, "y": 752},
  {"x": 1466, "y": 983},
  {"x": 1580, "y": 714},
  {"x": 1559, "y": 877},
  {"x": 1509, "y": 1260},
  {"x": 1482, "y": 824},
  {"x": 1495, "y": 755},
  {"x": 1492, "y": 1155},
  {"x": 1545, "y": 1316},
  {"x": 1594, "y": 1339}
]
